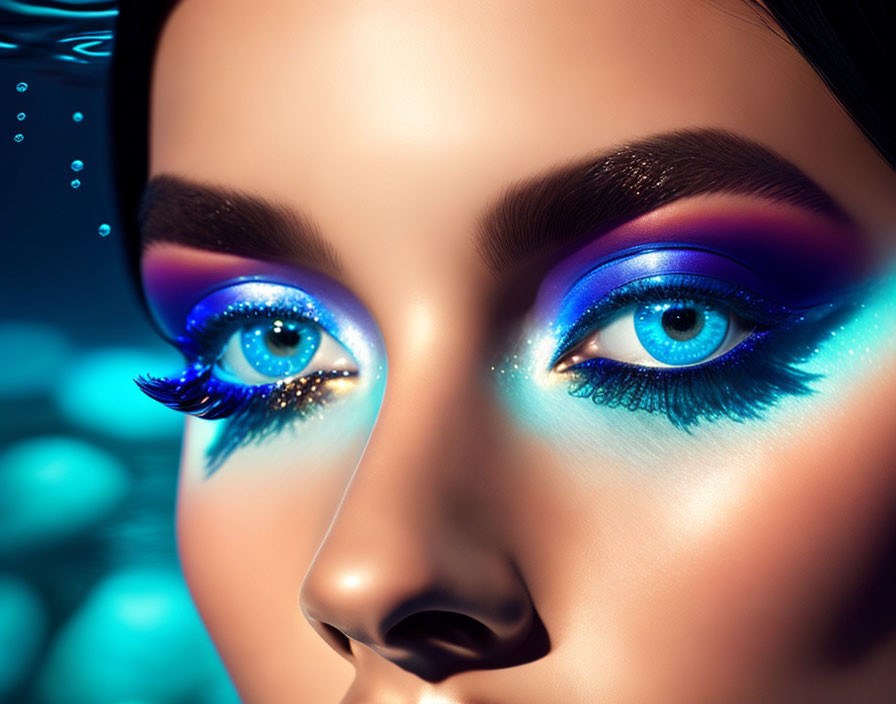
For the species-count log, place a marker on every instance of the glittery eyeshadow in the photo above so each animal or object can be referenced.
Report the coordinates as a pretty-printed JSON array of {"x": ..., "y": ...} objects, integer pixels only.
[{"x": 252, "y": 413}]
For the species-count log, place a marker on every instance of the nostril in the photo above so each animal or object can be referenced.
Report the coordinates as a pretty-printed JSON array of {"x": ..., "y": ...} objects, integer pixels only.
[
  {"x": 338, "y": 639},
  {"x": 446, "y": 629}
]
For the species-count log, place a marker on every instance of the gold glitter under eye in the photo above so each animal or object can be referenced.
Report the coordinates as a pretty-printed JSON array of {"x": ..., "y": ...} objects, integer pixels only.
[
  {"x": 314, "y": 389},
  {"x": 251, "y": 414}
]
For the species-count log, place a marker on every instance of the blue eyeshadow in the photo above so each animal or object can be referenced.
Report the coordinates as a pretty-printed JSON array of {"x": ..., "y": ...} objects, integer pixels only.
[{"x": 254, "y": 413}]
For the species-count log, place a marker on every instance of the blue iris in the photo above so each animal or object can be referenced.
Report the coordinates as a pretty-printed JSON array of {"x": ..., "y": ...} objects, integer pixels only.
[
  {"x": 680, "y": 333},
  {"x": 279, "y": 348}
]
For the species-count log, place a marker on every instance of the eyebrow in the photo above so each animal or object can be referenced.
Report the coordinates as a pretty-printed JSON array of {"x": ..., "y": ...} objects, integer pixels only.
[
  {"x": 592, "y": 195},
  {"x": 175, "y": 210},
  {"x": 530, "y": 217}
]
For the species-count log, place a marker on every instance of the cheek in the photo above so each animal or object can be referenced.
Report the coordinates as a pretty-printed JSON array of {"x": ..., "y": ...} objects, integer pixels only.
[
  {"x": 760, "y": 562},
  {"x": 247, "y": 534}
]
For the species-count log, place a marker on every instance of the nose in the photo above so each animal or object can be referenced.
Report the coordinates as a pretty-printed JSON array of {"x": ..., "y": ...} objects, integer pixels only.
[
  {"x": 412, "y": 567},
  {"x": 437, "y": 615}
]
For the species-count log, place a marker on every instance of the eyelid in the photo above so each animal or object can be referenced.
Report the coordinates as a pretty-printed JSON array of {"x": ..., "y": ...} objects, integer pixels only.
[
  {"x": 211, "y": 321},
  {"x": 242, "y": 302},
  {"x": 642, "y": 262},
  {"x": 176, "y": 278},
  {"x": 803, "y": 258},
  {"x": 595, "y": 289}
]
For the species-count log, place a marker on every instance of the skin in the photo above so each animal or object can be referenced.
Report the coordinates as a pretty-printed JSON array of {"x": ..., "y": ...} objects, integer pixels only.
[{"x": 708, "y": 569}]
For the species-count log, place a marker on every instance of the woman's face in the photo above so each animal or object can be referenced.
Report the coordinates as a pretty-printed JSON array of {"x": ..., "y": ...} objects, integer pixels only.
[{"x": 579, "y": 397}]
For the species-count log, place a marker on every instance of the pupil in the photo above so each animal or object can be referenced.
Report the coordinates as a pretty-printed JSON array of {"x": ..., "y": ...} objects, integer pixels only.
[
  {"x": 682, "y": 324},
  {"x": 282, "y": 338}
]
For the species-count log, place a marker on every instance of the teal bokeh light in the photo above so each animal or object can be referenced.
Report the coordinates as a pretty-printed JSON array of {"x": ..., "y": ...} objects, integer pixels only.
[
  {"x": 31, "y": 355},
  {"x": 52, "y": 487},
  {"x": 23, "y": 623},
  {"x": 98, "y": 393},
  {"x": 137, "y": 637}
]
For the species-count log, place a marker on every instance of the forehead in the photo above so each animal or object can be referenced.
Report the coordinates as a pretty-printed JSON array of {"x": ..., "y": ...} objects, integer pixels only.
[{"x": 396, "y": 116}]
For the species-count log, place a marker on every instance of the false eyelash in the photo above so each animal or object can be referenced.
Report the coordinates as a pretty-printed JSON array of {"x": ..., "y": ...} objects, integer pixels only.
[
  {"x": 741, "y": 385},
  {"x": 252, "y": 413}
]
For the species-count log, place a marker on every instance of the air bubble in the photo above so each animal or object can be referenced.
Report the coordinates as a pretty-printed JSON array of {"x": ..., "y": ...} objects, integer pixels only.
[
  {"x": 104, "y": 230},
  {"x": 78, "y": 116},
  {"x": 77, "y": 165},
  {"x": 19, "y": 137},
  {"x": 22, "y": 87},
  {"x": 20, "y": 116},
  {"x": 76, "y": 183}
]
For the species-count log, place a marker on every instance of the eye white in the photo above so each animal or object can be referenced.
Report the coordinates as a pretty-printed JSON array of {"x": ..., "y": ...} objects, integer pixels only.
[{"x": 329, "y": 356}]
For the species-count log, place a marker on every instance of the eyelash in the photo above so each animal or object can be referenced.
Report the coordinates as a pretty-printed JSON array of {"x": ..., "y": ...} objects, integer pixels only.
[
  {"x": 741, "y": 384},
  {"x": 252, "y": 413}
]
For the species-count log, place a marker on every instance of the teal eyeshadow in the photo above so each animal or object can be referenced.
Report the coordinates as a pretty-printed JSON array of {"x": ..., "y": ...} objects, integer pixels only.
[{"x": 860, "y": 341}]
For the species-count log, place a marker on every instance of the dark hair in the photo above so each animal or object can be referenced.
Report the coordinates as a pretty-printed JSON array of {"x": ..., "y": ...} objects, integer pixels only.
[
  {"x": 848, "y": 43},
  {"x": 851, "y": 47},
  {"x": 137, "y": 30}
]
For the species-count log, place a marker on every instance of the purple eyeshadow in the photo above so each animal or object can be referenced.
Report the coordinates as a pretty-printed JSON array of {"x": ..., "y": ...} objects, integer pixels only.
[
  {"x": 650, "y": 260},
  {"x": 175, "y": 294},
  {"x": 778, "y": 261}
]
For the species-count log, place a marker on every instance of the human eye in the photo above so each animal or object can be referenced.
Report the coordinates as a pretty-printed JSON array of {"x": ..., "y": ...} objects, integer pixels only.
[
  {"x": 259, "y": 356},
  {"x": 676, "y": 326},
  {"x": 279, "y": 347},
  {"x": 688, "y": 334}
]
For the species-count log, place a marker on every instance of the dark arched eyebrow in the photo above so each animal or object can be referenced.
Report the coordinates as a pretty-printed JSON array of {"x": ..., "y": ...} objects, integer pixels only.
[
  {"x": 176, "y": 210},
  {"x": 594, "y": 194},
  {"x": 531, "y": 217}
]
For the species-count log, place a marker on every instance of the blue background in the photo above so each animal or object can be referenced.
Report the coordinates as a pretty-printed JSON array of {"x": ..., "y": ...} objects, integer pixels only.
[{"x": 93, "y": 608}]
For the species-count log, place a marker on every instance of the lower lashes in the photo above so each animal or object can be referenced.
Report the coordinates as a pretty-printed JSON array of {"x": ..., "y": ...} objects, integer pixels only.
[
  {"x": 735, "y": 389},
  {"x": 740, "y": 385},
  {"x": 250, "y": 414}
]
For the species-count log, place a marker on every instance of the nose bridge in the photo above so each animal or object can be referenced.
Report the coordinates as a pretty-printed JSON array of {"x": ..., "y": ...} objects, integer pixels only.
[
  {"x": 434, "y": 411},
  {"x": 397, "y": 516},
  {"x": 409, "y": 566}
]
